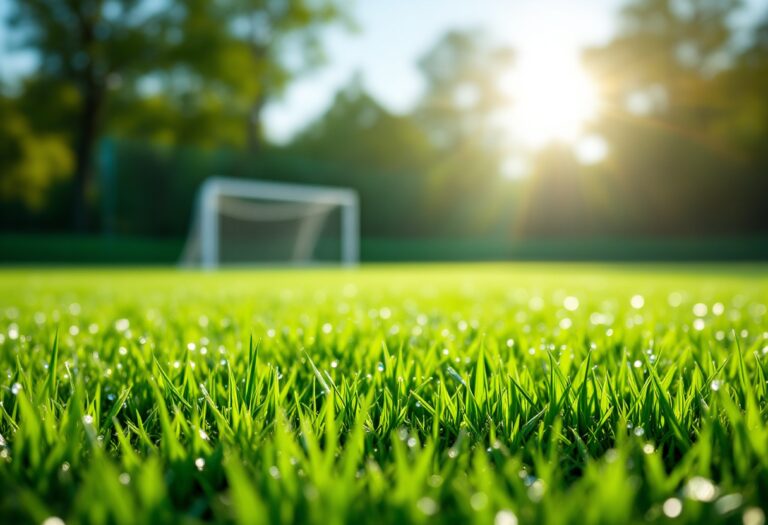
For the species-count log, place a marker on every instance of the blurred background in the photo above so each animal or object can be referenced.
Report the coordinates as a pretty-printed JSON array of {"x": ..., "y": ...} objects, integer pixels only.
[{"x": 484, "y": 130}]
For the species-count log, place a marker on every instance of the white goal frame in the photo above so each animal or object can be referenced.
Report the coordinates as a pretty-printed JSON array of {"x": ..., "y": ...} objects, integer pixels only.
[{"x": 216, "y": 187}]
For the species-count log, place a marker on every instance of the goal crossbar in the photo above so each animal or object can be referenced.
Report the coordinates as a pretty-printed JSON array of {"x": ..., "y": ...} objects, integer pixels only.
[{"x": 217, "y": 187}]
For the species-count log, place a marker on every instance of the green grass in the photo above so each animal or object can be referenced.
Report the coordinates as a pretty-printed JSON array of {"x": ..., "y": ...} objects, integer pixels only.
[{"x": 460, "y": 394}]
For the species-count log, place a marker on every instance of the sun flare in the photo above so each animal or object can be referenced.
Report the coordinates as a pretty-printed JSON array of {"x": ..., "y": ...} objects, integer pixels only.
[{"x": 552, "y": 100}]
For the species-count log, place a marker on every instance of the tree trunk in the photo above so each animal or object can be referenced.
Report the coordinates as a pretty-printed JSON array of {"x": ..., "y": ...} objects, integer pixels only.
[
  {"x": 86, "y": 142},
  {"x": 259, "y": 53},
  {"x": 254, "y": 127}
]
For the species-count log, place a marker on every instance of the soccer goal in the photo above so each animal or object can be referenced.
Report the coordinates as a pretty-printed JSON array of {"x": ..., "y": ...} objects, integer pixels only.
[{"x": 250, "y": 222}]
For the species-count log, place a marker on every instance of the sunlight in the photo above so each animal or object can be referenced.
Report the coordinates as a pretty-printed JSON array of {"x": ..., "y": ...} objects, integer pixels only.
[{"x": 552, "y": 99}]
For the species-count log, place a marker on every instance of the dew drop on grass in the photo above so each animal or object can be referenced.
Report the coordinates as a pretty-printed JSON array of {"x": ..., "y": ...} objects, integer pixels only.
[
  {"x": 754, "y": 516},
  {"x": 637, "y": 301},
  {"x": 571, "y": 303},
  {"x": 675, "y": 299},
  {"x": 637, "y": 364},
  {"x": 124, "y": 478},
  {"x": 427, "y": 506},
  {"x": 200, "y": 464},
  {"x": 672, "y": 507},
  {"x": 536, "y": 490},
  {"x": 505, "y": 517},
  {"x": 478, "y": 501},
  {"x": 53, "y": 520},
  {"x": 16, "y": 388},
  {"x": 435, "y": 480},
  {"x": 121, "y": 325},
  {"x": 334, "y": 364},
  {"x": 701, "y": 489},
  {"x": 648, "y": 448},
  {"x": 380, "y": 367},
  {"x": 728, "y": 503},
  {"x": 715, "y": 384}
]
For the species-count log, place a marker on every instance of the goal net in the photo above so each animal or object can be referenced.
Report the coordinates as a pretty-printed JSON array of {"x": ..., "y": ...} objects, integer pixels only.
[{"x": 247, "y": 222}]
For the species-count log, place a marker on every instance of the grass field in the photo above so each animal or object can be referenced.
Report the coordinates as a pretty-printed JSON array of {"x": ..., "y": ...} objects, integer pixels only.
[{"x": 459, "y": 394}]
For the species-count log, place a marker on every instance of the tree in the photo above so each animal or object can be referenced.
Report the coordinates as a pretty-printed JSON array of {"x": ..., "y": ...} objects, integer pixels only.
[
  {"x": 89, "y": 44},
  {"x": 463, "y": 94},
  {"x": 356, "y": 131},
  {"x": 553, "y": 203},
  {"x": 32, "y": 162},
  {"x": 252, "y": 49},
  {"x": 382, "y": 155},
  {"x": 671, "y": 167},
  {"x": 460, "y": 112},
  {"x": 175, "y": 72},
  {"x": 665, "y": 53}
]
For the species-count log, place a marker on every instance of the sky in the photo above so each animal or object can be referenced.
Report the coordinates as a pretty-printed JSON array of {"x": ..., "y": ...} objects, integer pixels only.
[{"x": 393, "y": 34}]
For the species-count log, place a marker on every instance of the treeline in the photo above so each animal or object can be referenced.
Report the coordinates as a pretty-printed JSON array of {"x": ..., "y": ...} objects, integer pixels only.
[{"x": 180, "y": 94}]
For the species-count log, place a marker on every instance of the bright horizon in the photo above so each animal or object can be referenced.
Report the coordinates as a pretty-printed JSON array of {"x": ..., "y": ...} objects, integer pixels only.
[
  {"x": 393, "y": 36},
  {"x": 527, "y": 27},
  {"x": 547, "y": 36}
]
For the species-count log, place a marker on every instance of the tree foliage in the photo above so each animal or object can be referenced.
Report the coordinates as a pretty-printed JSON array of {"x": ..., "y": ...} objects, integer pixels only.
[
  {"x": 183, "y": 72},
  {"x": 684, "y": 114},
  {"x": 32, "y": 161},
  {"x": 684, "y": 117}
]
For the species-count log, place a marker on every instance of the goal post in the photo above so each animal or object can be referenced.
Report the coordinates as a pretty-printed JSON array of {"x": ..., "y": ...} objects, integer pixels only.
[{"x": 304, "y": 208}]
